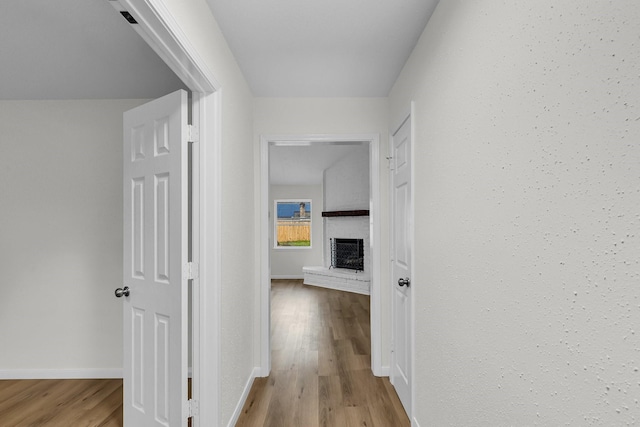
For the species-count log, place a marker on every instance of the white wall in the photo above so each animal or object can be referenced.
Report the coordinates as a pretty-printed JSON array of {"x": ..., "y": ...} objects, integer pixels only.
[
  {"x": 297, "y": 116},
  {"x": 237, "y": 284},
  {"x": 346, "y": 183},
  {"x": 288, "y": 263},
  {"x": 527, "y": 186},
  {"x": 61, "y": 237}
]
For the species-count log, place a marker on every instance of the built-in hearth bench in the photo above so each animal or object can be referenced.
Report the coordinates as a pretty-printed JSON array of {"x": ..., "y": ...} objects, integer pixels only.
[
  {"x": 343, "y": 279},
  {"x": 338, "y": 278}
]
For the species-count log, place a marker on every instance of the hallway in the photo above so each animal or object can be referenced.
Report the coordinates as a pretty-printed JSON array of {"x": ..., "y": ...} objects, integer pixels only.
[{"x": 321, "y": 364}]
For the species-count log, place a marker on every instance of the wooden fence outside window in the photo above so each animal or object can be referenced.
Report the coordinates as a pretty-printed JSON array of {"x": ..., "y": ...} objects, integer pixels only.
[{"x": 293, "y": 231}]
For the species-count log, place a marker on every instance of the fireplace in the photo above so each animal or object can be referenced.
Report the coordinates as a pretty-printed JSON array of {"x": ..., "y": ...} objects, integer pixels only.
[{"x": 347, "y": 253}]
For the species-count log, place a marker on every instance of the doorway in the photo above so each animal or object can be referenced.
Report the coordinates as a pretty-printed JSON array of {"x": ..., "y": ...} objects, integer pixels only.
[
  {"x": 321, "y": 373},
  {"x": 165, "y": 37},
  {"x": 374, "y": 231}
]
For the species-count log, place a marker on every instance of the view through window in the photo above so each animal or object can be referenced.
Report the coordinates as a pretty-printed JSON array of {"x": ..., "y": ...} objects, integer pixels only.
[{"x": 293, "y": 223}]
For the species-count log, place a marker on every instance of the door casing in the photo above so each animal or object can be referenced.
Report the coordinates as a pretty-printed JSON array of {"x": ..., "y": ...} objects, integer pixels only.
[{"x": 373, "y": 140}]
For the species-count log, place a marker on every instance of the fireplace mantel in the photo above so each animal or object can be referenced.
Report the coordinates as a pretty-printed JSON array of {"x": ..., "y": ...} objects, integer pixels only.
[{"x": 328, "y": 214}]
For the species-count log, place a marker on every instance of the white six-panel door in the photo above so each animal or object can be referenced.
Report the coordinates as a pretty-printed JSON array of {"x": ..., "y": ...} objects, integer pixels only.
[
  {"x": 401, "y": 264},
  {"x": 155, "y": 255}
]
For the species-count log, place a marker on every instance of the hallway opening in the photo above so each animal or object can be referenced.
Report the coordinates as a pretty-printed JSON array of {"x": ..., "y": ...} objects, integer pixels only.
[{"x": 321, "y": 364}]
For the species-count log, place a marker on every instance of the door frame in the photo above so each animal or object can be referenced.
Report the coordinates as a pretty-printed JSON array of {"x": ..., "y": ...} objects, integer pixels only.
[
  {"x": 162, "y": 33},
  {"x": 373, "y": 141},
  {"x": 409, "y": 115}
]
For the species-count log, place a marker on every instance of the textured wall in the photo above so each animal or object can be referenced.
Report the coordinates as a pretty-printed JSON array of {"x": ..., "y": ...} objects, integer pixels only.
[{"x": 527, "y": 181}]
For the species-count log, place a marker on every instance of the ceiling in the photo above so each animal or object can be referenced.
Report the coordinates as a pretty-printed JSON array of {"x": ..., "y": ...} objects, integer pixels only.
[
  {"x": 76, "y": 49},
  {"x": 84, "y": 49},
  {"x": 328, "y": 48}
]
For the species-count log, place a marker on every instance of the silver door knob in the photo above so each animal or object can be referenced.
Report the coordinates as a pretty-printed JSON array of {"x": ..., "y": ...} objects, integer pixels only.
[
  {"x": 120, "y": 292},
  {"x": 404, "y": 282}
]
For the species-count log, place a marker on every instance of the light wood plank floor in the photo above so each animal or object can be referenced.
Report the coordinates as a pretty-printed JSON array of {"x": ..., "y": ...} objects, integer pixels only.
[
  {"x": 68, "y": 403},
  {"x": 321, "y": 364},
  {"x": 85, "y": 403},
  {"x": 321, "y": 374}
]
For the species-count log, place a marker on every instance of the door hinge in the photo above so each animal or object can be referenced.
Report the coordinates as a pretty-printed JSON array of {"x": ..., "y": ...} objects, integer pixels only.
[
  {"x": 193, "y": 134},
  {"x": 390, "y": 163},
  {"x": 191, "y": 271},
  {"x": 192, "y": 408}
]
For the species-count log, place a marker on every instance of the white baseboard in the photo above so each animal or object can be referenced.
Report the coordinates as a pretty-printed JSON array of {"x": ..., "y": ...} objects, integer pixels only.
[
  {"x": 262, "y": 372},
  {"x": 286, "y": 276},
  {"x": 243, "y": 398},
  {"x": 381, "y": 371},
  {"x": 51, "y": 374}
]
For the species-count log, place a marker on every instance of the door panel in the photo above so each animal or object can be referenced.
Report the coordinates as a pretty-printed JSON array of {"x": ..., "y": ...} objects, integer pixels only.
[
  {"x": 401, "y": 264},
  {"x": 155, "y": 253}
]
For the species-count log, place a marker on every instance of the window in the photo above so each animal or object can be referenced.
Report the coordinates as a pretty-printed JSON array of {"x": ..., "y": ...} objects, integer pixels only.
[{"x": 293, "y": 224}]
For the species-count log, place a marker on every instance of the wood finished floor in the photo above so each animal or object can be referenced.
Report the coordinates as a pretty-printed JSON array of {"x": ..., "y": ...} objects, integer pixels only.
[
  {"x": 321, "y": 364},
  {"x": 321, "y": 375},
  {"x": 69, "y": 403}
]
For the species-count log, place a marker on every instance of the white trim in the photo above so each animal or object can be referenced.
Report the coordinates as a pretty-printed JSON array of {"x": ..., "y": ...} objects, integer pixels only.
[
  {"x": 375, "y": 226},
  {"x": 288, "y": 276},
  {"x": 384, "y": 371},
  {"x": 210, "y": 250},
  {"x": 49, "y": 374},
  {"x": 160, "y": 30},
  {"x": 243, "y": 398},
  {"x": 412, "y": 326},
  {"x": 162, "y": 33},
  {"x": 391, "y": 246},
  {"x": 196, "y": 283},
  {"x": 265, "y": 263},
  {"x": 375, "y": 251},
  {"x": 414, "y": 422}
]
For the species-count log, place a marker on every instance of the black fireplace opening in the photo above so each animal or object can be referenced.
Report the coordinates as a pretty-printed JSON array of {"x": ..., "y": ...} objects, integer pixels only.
[{"x": 347, "y": 253}]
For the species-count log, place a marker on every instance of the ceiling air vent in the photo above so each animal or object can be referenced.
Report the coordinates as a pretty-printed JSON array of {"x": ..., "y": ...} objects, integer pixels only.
[{"x": 130, "y": 19}]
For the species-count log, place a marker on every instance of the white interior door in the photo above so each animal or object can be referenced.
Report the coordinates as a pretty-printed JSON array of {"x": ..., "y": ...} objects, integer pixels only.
[
  {"x": 155, "y": 256},
  {"x": 401, "y": 264}
]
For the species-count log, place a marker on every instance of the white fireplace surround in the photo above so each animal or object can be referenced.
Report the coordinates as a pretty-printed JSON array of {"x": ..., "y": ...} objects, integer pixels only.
[
  {"x": 340, "y": 279},
  {"x": 344, "y": 227}
]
